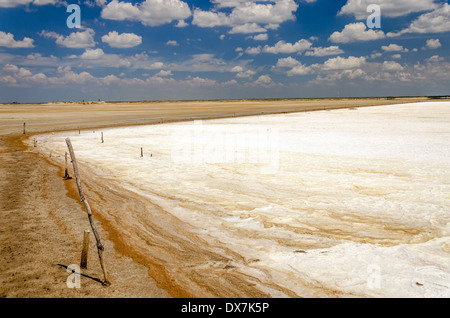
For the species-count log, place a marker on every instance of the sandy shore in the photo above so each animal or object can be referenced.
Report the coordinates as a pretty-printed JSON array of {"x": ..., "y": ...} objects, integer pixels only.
[{"x": 43, "y": 221}]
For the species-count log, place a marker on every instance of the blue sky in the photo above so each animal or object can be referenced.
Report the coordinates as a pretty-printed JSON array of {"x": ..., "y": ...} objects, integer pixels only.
[{"x": 222, "y": 49}]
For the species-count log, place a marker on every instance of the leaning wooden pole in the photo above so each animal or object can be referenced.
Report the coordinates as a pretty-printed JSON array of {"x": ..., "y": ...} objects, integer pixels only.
[{"x": 100, "y": 246}]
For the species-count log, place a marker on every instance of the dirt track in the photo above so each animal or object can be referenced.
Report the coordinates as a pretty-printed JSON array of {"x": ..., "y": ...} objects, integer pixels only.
[{"x": 41, "y": 229}]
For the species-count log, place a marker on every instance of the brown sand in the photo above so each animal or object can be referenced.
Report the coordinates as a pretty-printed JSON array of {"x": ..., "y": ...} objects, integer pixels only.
[{"x": 42, "y": 220}]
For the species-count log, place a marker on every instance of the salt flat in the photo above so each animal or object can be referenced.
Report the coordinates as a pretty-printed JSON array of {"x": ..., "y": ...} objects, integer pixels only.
[{"x": 349, "y": 202}]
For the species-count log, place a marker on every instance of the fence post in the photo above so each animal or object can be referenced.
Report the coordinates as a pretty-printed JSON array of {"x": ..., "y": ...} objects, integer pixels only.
[
  {"x": 66, "y": 169},
  {"x": 85, "y": 250},
  {"x": 100, "y": 246}
]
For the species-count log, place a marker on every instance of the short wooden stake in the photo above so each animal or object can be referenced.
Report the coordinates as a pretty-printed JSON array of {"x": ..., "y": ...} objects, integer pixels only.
[
  {"x": 102, "y": 138},
  {"x": 85, "y": 250},
  {"x": 66, "y": 170},
  {"x": 24, "y": 132},
  {"x": 142, "y": 153},
  {"x": 100, "y": 246}
]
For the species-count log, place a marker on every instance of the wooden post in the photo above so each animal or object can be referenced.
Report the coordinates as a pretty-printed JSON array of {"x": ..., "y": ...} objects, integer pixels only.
[
  {"x": 85, "y": 250},
  {"x": 102, "y": 137},
  {"x": 66, "y": 170},
  {"x": 142, "y": 153},
  {"x": 24, "y": 132},
  {"x": 100, "y": 246}
]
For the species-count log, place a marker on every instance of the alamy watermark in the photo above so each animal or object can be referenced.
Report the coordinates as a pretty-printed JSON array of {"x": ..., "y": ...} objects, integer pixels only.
[
  {"x": 373, "y": 276},
  {"x": 74, "y": 20},
  {"x": 227, "y": 144},
  {"x": 74, "y": 279},
  {"x": 374, "y": 20}
]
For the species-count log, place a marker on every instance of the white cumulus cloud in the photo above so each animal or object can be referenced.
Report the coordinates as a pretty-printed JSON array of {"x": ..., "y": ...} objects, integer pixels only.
[
  {"x": 283, "y": 47},
  {"x": 433, "y": 44},
  {"x": 324, "y": 51},
  {"x": 287, "y": 62},
  {"x": 300, "y": 70},
  {"x": 261, "y": 37},
  {"x": 247, "y": 28},
  {"x": 246, "y": 16},
  {"x": 355, "y": 32},
  {"x": 148, "y": 12},
  {"x": 264, "y": 80},
  {"x": 7, "y": 40},
  {"x": 394, "y": 48},
  {"x": 389, "y": 8},
  {"x": 341, "y": 63},
  {"x": 436, "y": 21},
  {"x": 16, "y": 3},
  {"x": 391, "y": 66},
  {"x": 124, "y": 40},
  {"x": 75, "y": 40},
  {"x": 91, "y": 54}
]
